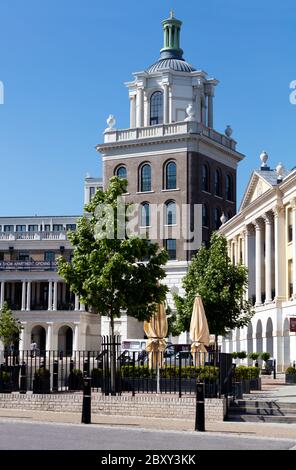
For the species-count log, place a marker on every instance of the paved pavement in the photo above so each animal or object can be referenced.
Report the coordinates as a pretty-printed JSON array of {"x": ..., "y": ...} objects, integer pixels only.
[
  {"x": 26, "y": 435},
  {"x": 272, "y": 389}
]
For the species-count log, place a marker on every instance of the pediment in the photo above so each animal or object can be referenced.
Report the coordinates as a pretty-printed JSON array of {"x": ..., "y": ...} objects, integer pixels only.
[{"x": 255, "y": 188}]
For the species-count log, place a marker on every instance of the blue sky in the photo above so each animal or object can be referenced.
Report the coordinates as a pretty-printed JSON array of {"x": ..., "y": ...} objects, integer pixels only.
[{"x": 63, "y": 64}]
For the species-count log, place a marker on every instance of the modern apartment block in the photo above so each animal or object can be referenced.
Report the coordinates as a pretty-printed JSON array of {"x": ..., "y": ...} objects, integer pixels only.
[{"x": 49, "y": 313}]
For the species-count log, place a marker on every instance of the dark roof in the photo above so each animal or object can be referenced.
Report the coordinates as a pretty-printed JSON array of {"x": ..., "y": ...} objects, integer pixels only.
[
  {"x": 179, "y": 65},
  {"x": 271, "y": 176}
]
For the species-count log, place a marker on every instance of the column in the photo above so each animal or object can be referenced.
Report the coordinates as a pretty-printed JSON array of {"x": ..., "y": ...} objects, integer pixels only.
[
  {"x": 28, "y": 307},
  {"x": 293, "y": 204},
  {"x": 268, "y": 253},
  {"x": 23, "y": 335},
  {"x": 76, "y": 307},
  {"x": 210, "y": 110},
  {"x": 258, "y": 251},
  {"x": 49, "y": 295},
  {"x": 82, "y": 307},
  {"x": 170, "y": 36},
  {"x": 55, "y": 295},
  {"x": 166, "y": 103},
  {"x": 279, "y": 253},
  {"x": 133, "y": 111},
  {"x": 236, "y": 249},
  {"x": 197, "y": 104},
  {"x": 140, "y": 107},
  {"x": 76, "y": 337},
  {"x": 2, "y": 294},
  {"x": 23, "y": 296},
  {"x": 48, "y": 346},
  {"x": 170, "y": 105},
  {"x": 38, "y": 293}
]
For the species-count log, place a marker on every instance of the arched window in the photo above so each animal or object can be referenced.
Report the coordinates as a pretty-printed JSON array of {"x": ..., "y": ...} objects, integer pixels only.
[
  {"x": 229, "y": 188},
  {"x": 217, "y": 183},
  {"x": 156, "y": 108},
  {"x": 121, "y": 172},
  {"x": 205, "y": 215},
  {"x": 171, "y": 213},
  {"x": 145, "y": 215},
  {"x": 217, "y": 215},
  {"x": 145, "y": 178},
  {"x": 205, "y": 182},
  {"x": 171, "y": 175}
]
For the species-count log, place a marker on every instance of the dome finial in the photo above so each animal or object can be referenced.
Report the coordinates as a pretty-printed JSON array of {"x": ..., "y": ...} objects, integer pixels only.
[{"x": 171, "y": 42}]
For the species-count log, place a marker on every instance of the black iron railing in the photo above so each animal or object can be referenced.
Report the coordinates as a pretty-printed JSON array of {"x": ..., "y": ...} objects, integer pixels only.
[{"x": 114, "y": 371}]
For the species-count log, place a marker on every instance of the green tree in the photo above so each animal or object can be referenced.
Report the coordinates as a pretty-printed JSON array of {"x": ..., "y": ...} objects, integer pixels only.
[
  {"x": 10, "y": 328},
  {"x": 107, "y": 270},
  {"x": 221, "y": 286}
]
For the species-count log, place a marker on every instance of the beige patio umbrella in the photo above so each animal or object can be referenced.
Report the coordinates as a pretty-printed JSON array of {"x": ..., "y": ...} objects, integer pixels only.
[
  {"x": 156, "y": 330},
  {"x": 199, "y": 330}
]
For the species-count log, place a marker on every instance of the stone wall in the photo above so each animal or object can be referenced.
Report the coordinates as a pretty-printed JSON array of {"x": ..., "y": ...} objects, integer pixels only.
[{"x": 125, "y": 405}]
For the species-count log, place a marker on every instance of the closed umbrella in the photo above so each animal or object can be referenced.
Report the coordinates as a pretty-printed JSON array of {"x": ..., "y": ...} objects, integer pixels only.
[
  {"x": 199, "y": 330},
  {"x": 156, "y": 330}
]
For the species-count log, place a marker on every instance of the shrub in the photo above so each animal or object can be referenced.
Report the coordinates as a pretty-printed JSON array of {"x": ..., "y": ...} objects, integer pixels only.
[
  {"x": 254, "y": 356},
  {"x": 291, "y": 370},
  {"x": 242, "y": 355},
  {"x": 265, "y": 356},
  {"x": 5, "y": 376},
  {"x": 246, "y": 372},
  {"x": 42, "y": 372},
  {"x": 76, "y": 372},
  {"x": 187, "y": 372},
  {"x": 96, "y": 372},
  {"x": 234, "y": 355}
]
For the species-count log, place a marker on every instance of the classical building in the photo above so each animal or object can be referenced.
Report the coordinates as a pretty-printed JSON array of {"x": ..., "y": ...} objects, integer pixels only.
[
  {"x": 172, "y": 156},
  {"x": 49, "y": 313},
  {"x": 262, "y": 236}
]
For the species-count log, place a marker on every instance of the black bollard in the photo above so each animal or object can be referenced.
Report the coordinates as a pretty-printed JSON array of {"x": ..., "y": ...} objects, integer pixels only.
[
  {"x": 86, "y": 401},
  {"x": 23, "y": 378},
  {"x": 55, "y": 376},
  {"x": 200, "y": 407},
  {"x": 274, "y": 368}
]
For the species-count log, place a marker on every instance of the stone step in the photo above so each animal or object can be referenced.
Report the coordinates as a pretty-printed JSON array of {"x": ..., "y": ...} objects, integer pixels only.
[
  {"x": 262, "y": 411},
  {"x": 262, "y": 419},
  {"x": 263, "y": 404}
]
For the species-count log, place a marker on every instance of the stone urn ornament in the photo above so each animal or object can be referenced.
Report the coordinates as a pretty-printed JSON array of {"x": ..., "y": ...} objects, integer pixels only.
[
  {"x": 111, "y": 121},
  {"x": 190, "y": 113},
  {"x": 228, "y": 131},
  {"x": 263, "y": 158}
]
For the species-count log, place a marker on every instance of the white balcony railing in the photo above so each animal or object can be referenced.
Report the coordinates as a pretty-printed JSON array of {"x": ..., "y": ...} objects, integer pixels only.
[
  {"x": 11, "y": 236},
  {"x": 162, "y": 130}
]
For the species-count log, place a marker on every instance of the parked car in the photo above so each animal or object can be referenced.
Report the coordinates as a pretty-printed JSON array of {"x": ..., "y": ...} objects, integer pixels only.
[{"x": 184, "y": 356}]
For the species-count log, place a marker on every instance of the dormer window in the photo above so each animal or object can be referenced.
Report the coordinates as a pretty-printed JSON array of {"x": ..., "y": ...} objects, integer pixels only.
[{"x": 156, "y": 108}]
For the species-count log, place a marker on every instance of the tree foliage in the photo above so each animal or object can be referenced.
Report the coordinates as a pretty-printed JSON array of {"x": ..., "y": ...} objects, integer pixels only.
[
  {"x": 221, "y": 286},
  {"x": 10, "y": 328},
  {"x": 109, "y": 274}
]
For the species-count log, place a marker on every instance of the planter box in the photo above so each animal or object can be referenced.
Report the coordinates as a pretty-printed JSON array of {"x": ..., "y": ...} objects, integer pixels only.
[
  {"x": 41, "y": 385},
  {"x": 147, "y": 384},
  {"x": 237, "y": 390},
  {"x": 255, "y": 384},
  {"x": 246, "y": 386},
  {"x": 75, "y": 382},
  {"x": 290, "y": 378}
]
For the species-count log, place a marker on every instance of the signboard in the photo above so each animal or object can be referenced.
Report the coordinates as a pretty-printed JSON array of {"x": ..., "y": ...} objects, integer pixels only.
[{"x": 293, "y": 325}]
